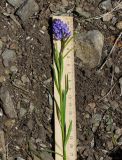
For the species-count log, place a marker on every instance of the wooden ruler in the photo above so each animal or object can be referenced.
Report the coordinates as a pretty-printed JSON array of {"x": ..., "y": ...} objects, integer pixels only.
[{"x": 70, "y": 106}]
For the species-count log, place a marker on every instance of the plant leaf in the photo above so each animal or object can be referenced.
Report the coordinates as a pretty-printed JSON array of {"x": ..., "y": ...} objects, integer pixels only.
[
  {"x": 57, "y": 110},
  {"x": 68, "y": 133},
  {"x": 55, "y": 78},
  {"x": 56, "y": 58}
]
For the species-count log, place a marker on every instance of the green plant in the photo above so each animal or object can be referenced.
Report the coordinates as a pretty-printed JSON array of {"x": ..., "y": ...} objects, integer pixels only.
[{"x": 61, "y": 34}]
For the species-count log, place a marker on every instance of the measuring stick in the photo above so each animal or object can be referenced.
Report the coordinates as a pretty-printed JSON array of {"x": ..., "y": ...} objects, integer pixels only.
[{"x": 70, "y": 104}]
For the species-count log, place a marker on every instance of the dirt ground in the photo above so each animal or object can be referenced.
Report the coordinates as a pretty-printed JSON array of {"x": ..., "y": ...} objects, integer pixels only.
[{"x": 26, "y": 111}]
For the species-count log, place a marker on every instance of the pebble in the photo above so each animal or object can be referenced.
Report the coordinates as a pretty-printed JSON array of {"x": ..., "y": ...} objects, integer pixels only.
[
  {"x": 22, "y": 112},
  {"x": 16, "y": 3},
  {"x": 30, "y": 124},
  {"x": 25, "y": 79},
  {"x": 119, "y": 25},
  {"x": 2, "y": 145},
  {"x": 107, "y": 17},
  {"x": 8, "y": 56},
  {"x": 46, "y": 156},
  {"x": 1, "y": 112},
  {"x": 88, "y": 48},
  {"x": 13, "y": 69},
  {"x": 19, "y": 158},
  {"x": 120, "y": 82},
  {"x": 95, "y": 121},
  {"x": 2, "y": 79},
  {"x": 32, "y": 107},
  {"x": 1, "y": 45},
  {"x": 110, "y": 145},
  {"x": 27, "y": 10},
  {"x": 50, "y": 100},
  {"x": 117, "y": 70},
  {"x": 65, "y": 3},
  {"x": 9, "y": 123},
  {"x": 106, "y": 5},
  {"x": 7, "y": 103},
  {"x": 82, "y": 12}
]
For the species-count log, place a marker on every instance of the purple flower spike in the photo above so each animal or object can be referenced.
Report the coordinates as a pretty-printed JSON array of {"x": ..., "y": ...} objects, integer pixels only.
[{"x": 60, "y": 30}]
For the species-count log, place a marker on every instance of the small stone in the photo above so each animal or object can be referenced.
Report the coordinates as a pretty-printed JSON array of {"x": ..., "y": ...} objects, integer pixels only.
[
  {"x": 19, "y": 158},
  {"x": 110, "y": 145},
  {"x": 1, "y": 45},
  {"x": 82, "y": 12},
  {"x": 16, "y": 3},
  {"x": 95, "y": 121},
  {"x": 9, "y": 123},
  {"x": 2, "y": 79},
  {"x": 46, "y": 156},
  {"x": 114, "y": 104},
  {"x": 1, "y": 112},
  {"x": 30, "y": 124},
  {"x": 22, "y": 112},
  {"x": 118, "y": 132},
  {"x": 27, "y": 10},
  {"x": 119, "y": 25},
  {"x": 120, "y": 82},
  {"x": 50, "y": 100},
  {"x": 2, "y": 145},
  {"x": 106, "y": 5},
  {"x": 65, "y": 3},
  {"x": 32, "y": 107},
  {"x": 117, "y": 70},
  {"x": 9, "y": 56},
  {"x": 13, "y": 69},
  {"x": 25, "y": 79},
  {"x": 107, "y": 17},
  {"x": 7, "y": 103},
  {"x": 88, "y": 48}
]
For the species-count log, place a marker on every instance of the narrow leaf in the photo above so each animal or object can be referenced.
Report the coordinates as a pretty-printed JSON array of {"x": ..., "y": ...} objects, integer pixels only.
[
  {"x": 68, "y": 133},
  {"x": 55, "y": 78},
  {"x": 57, "y": 110}
]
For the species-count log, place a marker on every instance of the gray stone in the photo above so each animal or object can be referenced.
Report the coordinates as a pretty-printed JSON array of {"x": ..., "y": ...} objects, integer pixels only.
[
  {"x": 9, "y": 57},
  {"x": 25, "y": 79},
  {"x": 120, "y": 82},
  {"x": 22, "y": 112},
  {"x": 8, "y": 105},
  {"x": 82, "y": 12},
  {"x": 88, "y": 48},
  {"x": 106, "y": 5},
  {"x": 27, "y": 10},
  {"x": 30, "y": 124},
  {"x": 16, "y": 3},
  {"x": 107, "y": 17},
  {"x": 50, "y": 100},
  {"x": 119, "y": 25},
  {"x": 1, "y": 45},
  {"x": 117, "y": 69},
  {"x": 46, "y": 156},
  {"x": 13, "y": 69},
  {"x": 95, "y": 121},
  {"x": 19, "y": 158},
  {"x": 2, "y": 145}
]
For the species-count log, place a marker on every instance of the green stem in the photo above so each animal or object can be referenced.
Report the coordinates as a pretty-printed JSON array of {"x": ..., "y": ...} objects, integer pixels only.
[{"x": 64, "y": 153}]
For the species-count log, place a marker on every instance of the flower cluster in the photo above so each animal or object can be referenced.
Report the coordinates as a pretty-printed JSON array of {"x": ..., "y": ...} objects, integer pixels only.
[{"x": 60, "y": 30}]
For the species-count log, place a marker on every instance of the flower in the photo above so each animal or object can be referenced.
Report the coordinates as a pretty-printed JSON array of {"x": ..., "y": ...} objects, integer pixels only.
[{"x": 60, "y": 30}]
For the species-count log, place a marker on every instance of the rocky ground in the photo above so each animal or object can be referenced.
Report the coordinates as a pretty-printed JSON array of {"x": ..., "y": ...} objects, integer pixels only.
[{"x": 26, "y": 111}]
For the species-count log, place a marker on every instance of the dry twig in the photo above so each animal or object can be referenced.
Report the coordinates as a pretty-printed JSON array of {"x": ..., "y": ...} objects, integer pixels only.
[{"x": 111, "y": 51}]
